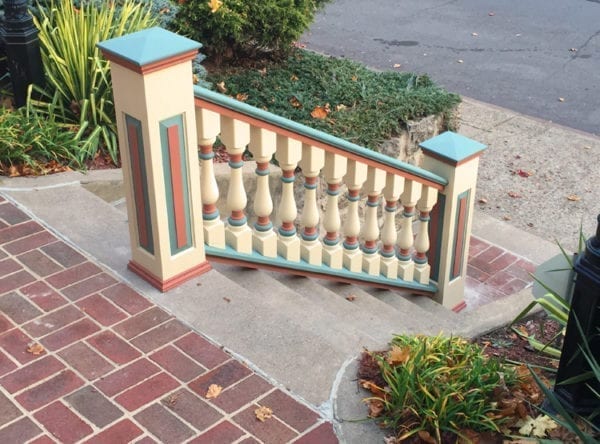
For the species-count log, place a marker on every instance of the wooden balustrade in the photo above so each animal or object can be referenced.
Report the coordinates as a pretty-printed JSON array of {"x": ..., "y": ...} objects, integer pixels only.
[{"x": 159, "y": 155}]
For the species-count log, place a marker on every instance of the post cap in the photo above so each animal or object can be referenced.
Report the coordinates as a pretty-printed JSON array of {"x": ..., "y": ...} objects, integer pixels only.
[
  {"x": 452, "y": 148},
  {"x": 147, "y": 47}
]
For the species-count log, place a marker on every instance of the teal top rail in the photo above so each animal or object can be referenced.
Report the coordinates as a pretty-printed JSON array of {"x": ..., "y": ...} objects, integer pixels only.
[{"x": 385, "y": 161}]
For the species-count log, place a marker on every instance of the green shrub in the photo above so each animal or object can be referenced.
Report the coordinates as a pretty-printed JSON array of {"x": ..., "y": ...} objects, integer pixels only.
[
  {"x": 438, "y": 384},
  {"x": 78, "y": 78},
  {"x": 364, "y": 107},
  {"x": 30, "y": 141},
  {"x": 235, "y": 28}
]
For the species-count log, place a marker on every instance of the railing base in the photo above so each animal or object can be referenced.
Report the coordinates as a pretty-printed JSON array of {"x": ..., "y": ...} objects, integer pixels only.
[
  {"x": 302, "y": 268},
  {"x": 168, "y": 284}
]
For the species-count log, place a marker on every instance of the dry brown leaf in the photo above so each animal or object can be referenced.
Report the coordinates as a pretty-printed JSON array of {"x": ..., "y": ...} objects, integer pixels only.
[
  {"x": 35, "y": 349},
  {"x": 483, "y": 200},
  {"x": 214, "y": 5},
  {"x": 426, "y": 437},
  {"x": 397, "y": 65},
  {"x": 263, "y": 413},
  {"x": 524, "y": 173},
  {"x": 295, "y": 102},
  {"x": 263, "y": 72},
  {"x": 320, "y": 112},
  {"x": 242, "y": 97},
  {"x": 398, "y": 355},
  {"x": 514, "y": 194},
  {"x": 373, "y": 388},
  {"x": 221, "y": 87},
  {"x": 375, "y": 408},
  {"x": 351, "y": 298},
  {"x": 574, "y": 198},
  {"x": 354, "y": 78},
  {"x": 226, "y": 299},
  {"x": 507, "y": 217},
  {"x": 340, "y": 107},
  {"x": 294, "y": 78},
  {"x": 214, "y": 390}
]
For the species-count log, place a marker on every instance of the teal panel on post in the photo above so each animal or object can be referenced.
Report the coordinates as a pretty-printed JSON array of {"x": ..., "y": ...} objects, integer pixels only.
[
  {"x": 452, "y": 147},
  {"x": 148, "y": 46},
  {"x": 460, "y": 234},
  {"x": 175, "y": 169},
  {"x": 436, "y": 230}
]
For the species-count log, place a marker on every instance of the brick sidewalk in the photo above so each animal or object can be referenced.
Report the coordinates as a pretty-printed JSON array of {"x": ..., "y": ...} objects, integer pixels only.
[{"x": 85, "y": 358}]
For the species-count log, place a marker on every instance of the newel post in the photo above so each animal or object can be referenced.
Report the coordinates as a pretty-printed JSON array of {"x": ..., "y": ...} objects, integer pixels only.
[
  {"x": 151, "y": 74},
  {"x": 455, "y": 158}
]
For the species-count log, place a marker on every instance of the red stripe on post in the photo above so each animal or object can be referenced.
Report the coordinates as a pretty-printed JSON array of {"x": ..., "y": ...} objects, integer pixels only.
[
  {"x": 177, "y": 186},
  {"x": 460, "y": 237},
  {"x": 136, "y": 171}
]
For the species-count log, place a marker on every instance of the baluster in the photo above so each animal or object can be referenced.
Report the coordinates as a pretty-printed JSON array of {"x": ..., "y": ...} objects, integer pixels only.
[
  {"x": 289, "y": 153},
  {"x": 262, "y": 145},
  {"x": 208, "y": 126},
  {"x": 375, "y": 183},
  {"x": 335, "y": 168},
  {"x": 389, "y": 235},
  {"x": 354, "y": 179},
  {"x": 313, "y": 159},
  {"x": 425, "y": 204},
  {"x": 235, "y": 135},
  {"x": 406, "y": 266}
]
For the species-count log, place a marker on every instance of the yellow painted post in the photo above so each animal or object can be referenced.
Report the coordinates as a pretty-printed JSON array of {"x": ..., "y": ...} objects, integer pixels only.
[
  {"x": 154, "y": 102},
  {"x": 456, "y": 158}
]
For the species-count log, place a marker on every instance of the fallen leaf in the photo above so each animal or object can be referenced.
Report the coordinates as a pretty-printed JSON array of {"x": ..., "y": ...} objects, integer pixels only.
[
  {"x": 426, "y": 437},
  {"x": 483, "y": 200},
  {"x": 491, "y": 14},
  {"x": 397, "y": 65},
  {"x": 350, "y": 297},
  {"x": 340, "y": 107},
  {"x": 242, "y": 97},
  {"x": 460, "y": 61},
  {"x": 354, "y": 78},
  {"x": 263, "y": 72},
  {"x": 517, "y": 35},
  {"x": 35, "y": 349},
  {"x": 574, "y": 198},
  {"x": 172, "y": 400},
  {"x": 373, "y": 388},
  {"x": 537, "y": 427},
  {"x": 561, "y": 99},
  {"x": 474, "y": 34},
  {"x": 295, "y": 102},
  {"x": 214, "y": 390},
  {"x": 398, "y": 355},
  {"x": 221, "y": 87},
  {"x": 294, "y": 78},
  {"x": 506, "y": 217},
  {"x": 226, "y": 299},
  {"x": 320, "y": 112},
  {"x": 375, "y": 408},
  {"x": 530, "y": 224},
  {"x": 263, "y": 413},
  {"x": 214, "y": 5},
  {"x": 514, "y": 194},
  {"x": 524, "y": 173},
  {"x": 195, "y": 79},
  {"x": 573, "y": 49}
]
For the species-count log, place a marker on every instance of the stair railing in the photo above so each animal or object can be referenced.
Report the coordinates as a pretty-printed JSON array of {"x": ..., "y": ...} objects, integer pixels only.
[{"x": 173, "y": 198}]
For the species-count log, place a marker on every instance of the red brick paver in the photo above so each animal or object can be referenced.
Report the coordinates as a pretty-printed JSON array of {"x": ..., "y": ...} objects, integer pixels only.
[{"x": 85, "y": 358}]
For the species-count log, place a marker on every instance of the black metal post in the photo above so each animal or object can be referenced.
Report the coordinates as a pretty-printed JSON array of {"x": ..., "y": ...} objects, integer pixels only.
[
  {"x": 22, "y": 49},
  {"x": 585, "y": 310}
]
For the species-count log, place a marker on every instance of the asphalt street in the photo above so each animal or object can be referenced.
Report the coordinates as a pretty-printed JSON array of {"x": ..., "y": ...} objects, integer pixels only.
[{"x": 537, "y": 57}]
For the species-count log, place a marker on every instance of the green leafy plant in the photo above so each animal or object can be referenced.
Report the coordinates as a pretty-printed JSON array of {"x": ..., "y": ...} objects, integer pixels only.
[
  {"x": 338, "y": 96},
  {"x": 36, "y": 143},
  {"x": 78, "y": 78},
  {"x": 554, "y": 304},
  {"x": 438, "y": 384},
  {"x": 231, "y": 29}
]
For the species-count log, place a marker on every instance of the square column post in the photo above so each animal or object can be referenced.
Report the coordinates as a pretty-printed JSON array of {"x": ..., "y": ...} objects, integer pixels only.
[
  {"x": 456, "y": 158},
  {"x": 151, "y": 74}
]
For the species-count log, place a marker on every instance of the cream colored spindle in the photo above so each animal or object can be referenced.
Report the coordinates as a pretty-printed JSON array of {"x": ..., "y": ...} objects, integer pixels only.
[
  {"x": 391, "y": 193},
  {"x": 371, "y": 259},
  {"x": 289, "y": 153},
  {"x": 311, "y": 250},
  {"x": 335, "y": 168},
  {"x": 235, "y": 135},
  {"x": 208, "y": 126},
  {"x": 410, "y": 196},
  {"x": 262, "y": 146},
  {"x": 354, "y": 179},
  {"x": 425, "y": 204}
]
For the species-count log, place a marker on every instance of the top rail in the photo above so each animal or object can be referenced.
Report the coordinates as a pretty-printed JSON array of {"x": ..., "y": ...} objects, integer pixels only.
[{"x": 230, "y": 107}]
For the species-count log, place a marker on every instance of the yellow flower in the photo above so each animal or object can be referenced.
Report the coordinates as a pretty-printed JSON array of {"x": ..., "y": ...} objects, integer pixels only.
[{"x": 215, "y": 5}]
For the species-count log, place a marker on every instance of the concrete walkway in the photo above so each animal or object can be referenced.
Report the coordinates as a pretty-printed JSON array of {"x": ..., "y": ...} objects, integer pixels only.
[{"x": 122, "y": 362}]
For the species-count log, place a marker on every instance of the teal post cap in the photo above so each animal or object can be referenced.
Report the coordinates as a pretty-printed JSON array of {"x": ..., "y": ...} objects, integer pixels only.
[
  {"x": 452, "y": 147},
  {"x": 148, "y": 46}
]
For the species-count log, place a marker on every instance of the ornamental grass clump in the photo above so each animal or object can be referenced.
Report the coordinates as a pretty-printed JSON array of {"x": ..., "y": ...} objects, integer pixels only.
[
  {"x": 77, "y": 77},
  {"x": 438, "y": 385}
]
